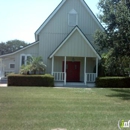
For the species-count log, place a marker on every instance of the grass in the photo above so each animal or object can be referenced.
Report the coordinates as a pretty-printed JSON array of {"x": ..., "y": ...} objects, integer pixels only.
[{"x": 73, "y": 109}]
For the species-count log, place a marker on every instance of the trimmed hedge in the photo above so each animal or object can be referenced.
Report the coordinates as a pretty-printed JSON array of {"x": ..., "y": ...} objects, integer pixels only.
[
  {"x": 46, "y": 80},
  {"x": 113, "y": 82}
]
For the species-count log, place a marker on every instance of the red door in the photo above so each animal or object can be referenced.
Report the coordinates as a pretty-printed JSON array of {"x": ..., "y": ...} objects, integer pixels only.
[{"x": 72, "y": 71}]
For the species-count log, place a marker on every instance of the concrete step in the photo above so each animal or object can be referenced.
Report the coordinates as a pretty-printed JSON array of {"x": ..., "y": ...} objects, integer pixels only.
[
  {"x": 59, "y": 84},
  {"x": 75, "y": 84},
  {"x": 3, "y": 80}
]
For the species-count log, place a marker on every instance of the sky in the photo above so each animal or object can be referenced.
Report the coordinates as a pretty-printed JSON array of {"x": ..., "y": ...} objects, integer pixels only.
[{"x": 19, "y": 19}]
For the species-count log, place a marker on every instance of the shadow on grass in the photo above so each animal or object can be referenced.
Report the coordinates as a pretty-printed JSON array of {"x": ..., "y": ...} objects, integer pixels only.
[{"x": 123, "y": 93}]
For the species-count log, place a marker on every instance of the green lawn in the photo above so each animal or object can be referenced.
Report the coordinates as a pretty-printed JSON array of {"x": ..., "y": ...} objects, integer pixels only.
[{"x": 73, "y": 109}]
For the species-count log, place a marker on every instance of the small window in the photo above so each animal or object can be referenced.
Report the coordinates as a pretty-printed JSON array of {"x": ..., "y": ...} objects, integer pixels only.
[
  {"x": 12, "y": 66},
  {"x": 22, "y": 60},
  {"x": 72, "y": 18},
  {"x": 29, "y": 58},
  {"x": 25, "y": 59}
]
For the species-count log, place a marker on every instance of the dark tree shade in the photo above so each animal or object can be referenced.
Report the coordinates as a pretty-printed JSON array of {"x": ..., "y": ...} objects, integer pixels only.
[
  {"x": 114, "y": 42},
  {"x": 115, "y": 15},
  {"x": 11, "y": 46}
]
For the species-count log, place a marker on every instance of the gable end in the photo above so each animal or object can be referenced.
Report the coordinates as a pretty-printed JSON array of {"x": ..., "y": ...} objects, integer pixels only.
[
  {"x": 71, "y": 33},
  {"x": 92, "y": 14},
  {"x": 58, "y": 8},
  {"x": 49, "y": 18}
]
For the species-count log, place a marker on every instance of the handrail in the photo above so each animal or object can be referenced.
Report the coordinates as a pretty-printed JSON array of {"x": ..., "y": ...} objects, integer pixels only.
[
  {"x": 90, "y": 77},
  {"x": 59, "y": 76}
]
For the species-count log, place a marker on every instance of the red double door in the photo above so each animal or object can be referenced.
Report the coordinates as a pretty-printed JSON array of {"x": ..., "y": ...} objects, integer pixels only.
[{"x": 72, "y": 71}]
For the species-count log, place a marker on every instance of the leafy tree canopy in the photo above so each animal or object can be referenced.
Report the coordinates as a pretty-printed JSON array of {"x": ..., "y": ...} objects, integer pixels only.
[
  {"x": 11, "y": 46},
  {"x": 115, "y": 40},
  {"x": 115, "y": 16}
]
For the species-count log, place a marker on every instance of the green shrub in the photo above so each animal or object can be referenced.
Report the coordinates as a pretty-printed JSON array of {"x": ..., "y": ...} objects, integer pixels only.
[
  {"x": 46, "y": 80},
  {"x": 113, "y": 82},
  {"x": 8, "y": 73}
]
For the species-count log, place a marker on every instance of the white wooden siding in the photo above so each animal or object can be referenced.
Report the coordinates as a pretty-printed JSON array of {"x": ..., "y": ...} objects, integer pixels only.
[
  {"x": 91, "y": 63},
  {"x": 33, "y": 50},
  {"x": 76, "y": 46},
  {"x": 57, "y": 28},
  {"x": 6, "y": 61}
]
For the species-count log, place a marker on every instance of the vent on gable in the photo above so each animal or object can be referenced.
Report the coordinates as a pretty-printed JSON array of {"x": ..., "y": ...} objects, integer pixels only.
[
  {"x": 73, "y": 18},
  {"x": 12, "y": 66}
]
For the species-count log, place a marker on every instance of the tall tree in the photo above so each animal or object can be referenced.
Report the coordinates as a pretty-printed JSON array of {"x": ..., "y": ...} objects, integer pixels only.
[
  {"x": 11, "y": 46},
  {"x": 115, "y": 16}
]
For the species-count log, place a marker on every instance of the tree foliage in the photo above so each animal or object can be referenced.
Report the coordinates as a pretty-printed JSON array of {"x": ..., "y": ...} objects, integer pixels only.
[
  {"x": 116, "y": 18},
  {"x": 11, "y": 46},
  {"x": 115, "y": 66},
  {"x": 115, "y": 40},
  {"x": 35, "y": 65}
]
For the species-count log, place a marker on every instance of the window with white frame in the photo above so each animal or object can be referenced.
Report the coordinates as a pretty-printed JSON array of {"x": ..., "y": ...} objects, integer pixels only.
[
  {"x": 11, "y": 65},
  {"x": 28, "y": 59},
  {"x": 73, "y": 18},
  {"x": 24, "y": 59}
]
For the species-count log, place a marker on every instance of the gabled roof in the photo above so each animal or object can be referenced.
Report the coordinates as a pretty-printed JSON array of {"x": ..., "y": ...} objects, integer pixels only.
[
  {"x": 76, "y": 28},
  {"x": 30, "y": 45},
  {"x": 92, "y": 14},
  {"x": 49, "y": 18},
  {"x": 58, "y": 8}
]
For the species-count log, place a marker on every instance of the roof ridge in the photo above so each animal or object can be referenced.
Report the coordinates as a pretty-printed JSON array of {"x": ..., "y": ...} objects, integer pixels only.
[
  {"x": 49, "y": 16},
  {"x": 57, "y": 9},
  {"x": 29, "y": 45},
  {"x": 63, "y": 41}
]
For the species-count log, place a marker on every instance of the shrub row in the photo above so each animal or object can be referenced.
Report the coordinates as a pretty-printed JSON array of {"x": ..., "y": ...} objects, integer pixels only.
[
  {"x": 46, "y": 80},
  {"x": 113, "y": 82}
]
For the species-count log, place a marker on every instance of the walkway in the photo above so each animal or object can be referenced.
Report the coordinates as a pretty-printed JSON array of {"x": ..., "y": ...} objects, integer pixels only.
[
  {"x": 75, "y": 85},
  {"x": 61, "y": 84},
  {"x": 3, "y": 85},
  {"x": 3, "y": 82}
]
